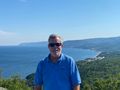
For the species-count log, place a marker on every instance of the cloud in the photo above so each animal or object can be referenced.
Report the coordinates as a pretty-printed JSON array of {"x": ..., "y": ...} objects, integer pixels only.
[{"x": 4, "y": 33}]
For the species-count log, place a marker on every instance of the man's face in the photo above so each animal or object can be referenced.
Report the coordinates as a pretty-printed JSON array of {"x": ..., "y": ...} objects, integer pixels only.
[{"x": 55, "y": 47}]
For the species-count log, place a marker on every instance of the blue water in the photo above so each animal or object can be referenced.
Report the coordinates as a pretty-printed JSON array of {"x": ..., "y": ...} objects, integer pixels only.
[{"x": 16, "y": 60}]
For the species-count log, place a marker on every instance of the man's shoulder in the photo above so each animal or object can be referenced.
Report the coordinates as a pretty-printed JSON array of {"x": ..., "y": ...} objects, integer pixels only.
[
  {"x": 44, "y": 60},
  {"x": 67, "y": 57}
]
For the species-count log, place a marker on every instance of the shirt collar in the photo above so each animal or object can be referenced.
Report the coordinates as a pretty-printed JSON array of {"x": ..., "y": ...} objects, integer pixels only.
[{"x": 60, "y": 58}]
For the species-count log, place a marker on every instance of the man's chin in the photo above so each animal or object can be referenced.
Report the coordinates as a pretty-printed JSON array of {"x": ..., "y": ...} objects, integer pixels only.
[{"x": 56, "y": 55}]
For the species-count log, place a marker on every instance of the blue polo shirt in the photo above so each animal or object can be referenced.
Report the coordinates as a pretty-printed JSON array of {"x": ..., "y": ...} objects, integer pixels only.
[{"x": 62, "y": 75}]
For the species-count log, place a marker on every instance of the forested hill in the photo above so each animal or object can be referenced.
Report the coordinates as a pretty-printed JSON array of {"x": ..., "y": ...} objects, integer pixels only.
[
  {"x": 100, "y": 44},
  {"x": 101, "y": 74}
]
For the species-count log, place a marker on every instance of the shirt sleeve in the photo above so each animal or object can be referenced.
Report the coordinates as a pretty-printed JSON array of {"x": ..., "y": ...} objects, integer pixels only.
[
  {"x": 38, "y": 80},
  {"x": 74, "y": 73}
]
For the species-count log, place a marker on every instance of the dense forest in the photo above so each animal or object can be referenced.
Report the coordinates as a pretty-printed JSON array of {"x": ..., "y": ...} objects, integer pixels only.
[
  {"x": 96, "y": 74},
  {"x": 101, "y": 74}
]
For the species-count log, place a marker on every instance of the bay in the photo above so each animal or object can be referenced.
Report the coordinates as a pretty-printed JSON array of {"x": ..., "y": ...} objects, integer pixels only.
[{"x": 18, "y": 60}]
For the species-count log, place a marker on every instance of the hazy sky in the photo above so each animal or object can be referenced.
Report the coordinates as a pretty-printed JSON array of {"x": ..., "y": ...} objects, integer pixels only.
[{"x": 33, "y": 20}]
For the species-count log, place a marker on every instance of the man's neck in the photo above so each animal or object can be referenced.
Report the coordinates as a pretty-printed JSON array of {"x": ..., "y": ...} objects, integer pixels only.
[{"x": 54, "y": 59}]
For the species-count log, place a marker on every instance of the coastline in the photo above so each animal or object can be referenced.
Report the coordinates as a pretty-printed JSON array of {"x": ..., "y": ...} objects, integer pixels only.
[{"x": 97, "y": 57}]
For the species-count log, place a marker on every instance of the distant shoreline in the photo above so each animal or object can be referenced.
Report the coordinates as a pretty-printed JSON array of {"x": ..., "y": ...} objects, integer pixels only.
[{"x": 97, "y": 57}]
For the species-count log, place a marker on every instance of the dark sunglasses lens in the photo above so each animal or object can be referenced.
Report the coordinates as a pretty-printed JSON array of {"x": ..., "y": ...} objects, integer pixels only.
[
  {"x": 58, "y": 44},
  {"x": 53, "y": 44}
]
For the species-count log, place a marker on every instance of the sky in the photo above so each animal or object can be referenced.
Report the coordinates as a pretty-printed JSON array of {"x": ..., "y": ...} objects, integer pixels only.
[{"x": 34, "y": 20}]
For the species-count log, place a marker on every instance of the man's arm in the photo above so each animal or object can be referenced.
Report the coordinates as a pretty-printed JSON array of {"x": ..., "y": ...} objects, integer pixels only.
[
  {"x": 38, "y": 88},
  {"x": 77, "y": 87}
]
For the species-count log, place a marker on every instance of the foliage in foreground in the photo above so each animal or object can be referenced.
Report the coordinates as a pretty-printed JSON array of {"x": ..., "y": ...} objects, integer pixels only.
[
  {"x": 110, "y": 83},
  {"x": 14, "y": 83}
]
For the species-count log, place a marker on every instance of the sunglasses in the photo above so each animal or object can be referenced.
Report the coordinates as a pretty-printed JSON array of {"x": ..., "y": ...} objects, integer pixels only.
[{"x": 55, "y": 44}]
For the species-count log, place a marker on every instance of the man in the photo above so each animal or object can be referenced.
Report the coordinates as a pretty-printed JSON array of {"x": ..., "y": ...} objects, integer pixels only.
[{"x": 57, "y": 71}]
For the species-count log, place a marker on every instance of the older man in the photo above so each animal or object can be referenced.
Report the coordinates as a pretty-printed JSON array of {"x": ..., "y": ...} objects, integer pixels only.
[{"x": 57, "y": 71}]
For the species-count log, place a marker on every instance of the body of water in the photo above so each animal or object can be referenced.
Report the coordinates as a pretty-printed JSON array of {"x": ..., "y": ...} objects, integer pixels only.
[{"x": 17, "y": 60}]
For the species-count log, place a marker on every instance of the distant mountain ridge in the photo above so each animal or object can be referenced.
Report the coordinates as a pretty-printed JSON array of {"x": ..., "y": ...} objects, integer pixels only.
[{"x": 100, "y": 44}]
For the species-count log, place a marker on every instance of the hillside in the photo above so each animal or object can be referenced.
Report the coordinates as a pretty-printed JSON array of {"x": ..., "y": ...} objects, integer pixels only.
[
  {"x": 100, "y": 44},
  {"x": 101, "y": 74}
]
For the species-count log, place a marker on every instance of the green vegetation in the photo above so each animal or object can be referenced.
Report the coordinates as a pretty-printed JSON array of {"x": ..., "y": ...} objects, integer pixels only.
[
  {"x": 110, "y": 83},
  {"x": 14, "y": 83},
  {"x": 101, "y": 74}
]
